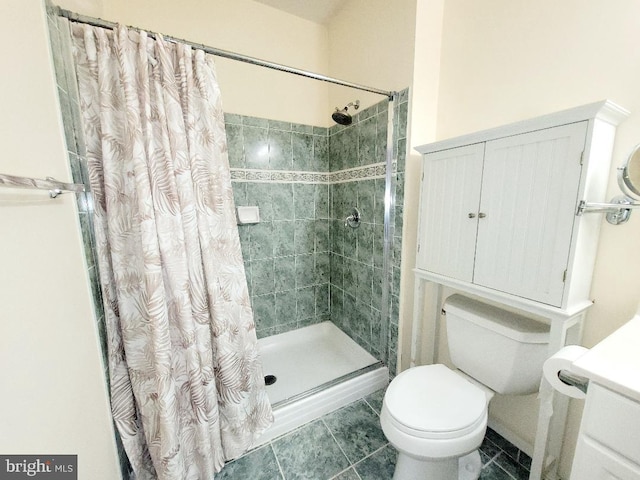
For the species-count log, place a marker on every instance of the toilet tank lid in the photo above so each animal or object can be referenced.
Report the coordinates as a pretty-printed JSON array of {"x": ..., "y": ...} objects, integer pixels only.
[{"x": 515, "y": 326}]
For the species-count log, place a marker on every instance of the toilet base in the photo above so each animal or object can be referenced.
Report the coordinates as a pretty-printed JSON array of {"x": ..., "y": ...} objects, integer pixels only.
[
  {"x": 463, "y": 468},
  {"x": 469, "y": 466}
]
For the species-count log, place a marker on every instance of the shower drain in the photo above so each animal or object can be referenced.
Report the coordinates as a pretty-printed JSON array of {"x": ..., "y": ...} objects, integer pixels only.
[{"x": 269, "y": 379}]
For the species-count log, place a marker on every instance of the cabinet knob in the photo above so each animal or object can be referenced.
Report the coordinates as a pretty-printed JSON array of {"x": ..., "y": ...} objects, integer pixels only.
[
  {"x": 472, "y": 215},
  {"x": 482, "y": 215}
]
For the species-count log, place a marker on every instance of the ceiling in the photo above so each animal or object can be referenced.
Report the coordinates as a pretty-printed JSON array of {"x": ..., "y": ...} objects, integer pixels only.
[{"x": 318, "y": 11}]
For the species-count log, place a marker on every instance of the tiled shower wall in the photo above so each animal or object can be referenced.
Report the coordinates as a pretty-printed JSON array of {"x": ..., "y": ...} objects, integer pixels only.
[
  {"x": 287, "y": 254},
  {"x": 303, "y": 265},
  {"x": 400, "y": 141},
  {"x": 357, "y": 254}
]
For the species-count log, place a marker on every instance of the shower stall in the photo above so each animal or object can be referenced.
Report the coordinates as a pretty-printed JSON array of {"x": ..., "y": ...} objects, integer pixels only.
[
  {"x": 320, "y": 262},
  {"x": 323, "y": 262}
]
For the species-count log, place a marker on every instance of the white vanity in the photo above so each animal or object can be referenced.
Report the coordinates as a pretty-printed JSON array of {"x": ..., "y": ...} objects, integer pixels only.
[{"x": 609, "y": 441}]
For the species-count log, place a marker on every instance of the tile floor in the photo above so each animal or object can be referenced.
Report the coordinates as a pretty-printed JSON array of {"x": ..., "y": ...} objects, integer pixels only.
[{"x": 348, "y": 444}]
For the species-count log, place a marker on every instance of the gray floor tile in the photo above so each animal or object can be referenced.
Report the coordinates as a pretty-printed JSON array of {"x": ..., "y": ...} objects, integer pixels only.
[
  {"x": 492, "y": 471},
  {"x": 258, "y": 465},
  {"x": 310, "y": 453},
  {"x": 375, "y": 400},
  {"x": 524, "y": 460},
  {"x": 379, "y": 466},
  {"x": 503, "y": 444},
  {"x": 488, "y": 451},
  {"x": 317, "y": 451},
  {"x": 347, "y": 475},
  {"x": 516, "y": 470},
  {"x": 356, "y": 428}
]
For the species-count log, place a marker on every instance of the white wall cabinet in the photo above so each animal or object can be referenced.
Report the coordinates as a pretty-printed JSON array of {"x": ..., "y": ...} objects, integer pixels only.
[
  {"x": 500, "y": 214},
  {"x": 498, "y": 208}
]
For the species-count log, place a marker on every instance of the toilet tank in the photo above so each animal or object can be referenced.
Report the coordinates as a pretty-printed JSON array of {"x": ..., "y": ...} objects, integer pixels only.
[{"x": 502, "y": 350}]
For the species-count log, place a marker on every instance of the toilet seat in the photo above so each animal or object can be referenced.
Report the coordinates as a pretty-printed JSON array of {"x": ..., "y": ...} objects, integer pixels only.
[{"x": 433, "y": 402}]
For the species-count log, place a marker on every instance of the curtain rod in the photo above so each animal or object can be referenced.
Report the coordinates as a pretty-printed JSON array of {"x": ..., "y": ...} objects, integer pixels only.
[{"x": 98, "y": 22}]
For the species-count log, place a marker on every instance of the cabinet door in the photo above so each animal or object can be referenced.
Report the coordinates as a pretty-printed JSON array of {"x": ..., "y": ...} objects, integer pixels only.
[
  {"x": 448, "y": 217},
  {"x": 593, "y": 461},
  {"x": 529, "y": 196}
]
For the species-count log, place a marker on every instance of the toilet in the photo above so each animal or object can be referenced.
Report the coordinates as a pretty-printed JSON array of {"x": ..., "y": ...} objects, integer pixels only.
[{"x": 436, "y": 417}]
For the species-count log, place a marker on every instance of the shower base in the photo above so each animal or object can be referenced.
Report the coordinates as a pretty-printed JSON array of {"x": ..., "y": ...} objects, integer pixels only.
[{"x": 317, "y": 369}]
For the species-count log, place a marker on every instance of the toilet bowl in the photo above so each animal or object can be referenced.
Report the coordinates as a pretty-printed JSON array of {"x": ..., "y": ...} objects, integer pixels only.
[{"x": 436, "y": 419}]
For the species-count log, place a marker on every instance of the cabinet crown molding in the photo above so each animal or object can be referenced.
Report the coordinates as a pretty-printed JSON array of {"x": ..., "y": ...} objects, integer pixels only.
[{"x": 604, "y": 110}]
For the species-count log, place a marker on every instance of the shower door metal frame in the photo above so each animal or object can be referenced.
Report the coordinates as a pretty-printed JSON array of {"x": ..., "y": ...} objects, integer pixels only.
[{"x": 389, "y": 227}]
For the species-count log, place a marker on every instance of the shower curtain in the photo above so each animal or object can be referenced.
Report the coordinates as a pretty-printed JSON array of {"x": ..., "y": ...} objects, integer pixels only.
[{"x": 187, "y": 387}]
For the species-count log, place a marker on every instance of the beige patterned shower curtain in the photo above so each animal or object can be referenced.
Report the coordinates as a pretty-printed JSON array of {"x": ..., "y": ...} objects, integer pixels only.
[{"x": 186, "y": 383}]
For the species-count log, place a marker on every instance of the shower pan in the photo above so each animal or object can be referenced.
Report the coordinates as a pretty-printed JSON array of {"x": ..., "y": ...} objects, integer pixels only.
[{"x": 312, "y": 371}]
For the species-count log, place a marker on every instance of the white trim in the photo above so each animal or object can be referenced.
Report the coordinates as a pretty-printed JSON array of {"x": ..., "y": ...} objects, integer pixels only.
[
  {"x": 604, "y": 110},
  {"x": 513, "y": 438},
  {"x": 537, "y": 308},
  {"x": 296, "y": 414}
]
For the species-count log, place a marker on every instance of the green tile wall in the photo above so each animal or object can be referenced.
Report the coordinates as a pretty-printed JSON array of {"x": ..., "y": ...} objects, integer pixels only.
[
  {"x": 400, "y": 140},
  {"x": 303, "y": 265},
  {"x": 357, "y": 254},
  {"x": 286, "y": 255}
]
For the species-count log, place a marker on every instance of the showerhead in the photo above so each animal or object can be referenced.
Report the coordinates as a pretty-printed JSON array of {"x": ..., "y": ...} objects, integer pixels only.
[{"x": 342, "y": 117}]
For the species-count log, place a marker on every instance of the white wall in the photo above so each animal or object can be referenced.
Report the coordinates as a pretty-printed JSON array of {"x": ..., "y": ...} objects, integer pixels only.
[
  {"x": 93, "y": 8},
  {"x": 249, "y": 28},
  {"x": 371, "y": 43},
  {"x": 54, "y": 400},
  {"x": 423, "y": 114},
  {"x": 503, "y": 61}
]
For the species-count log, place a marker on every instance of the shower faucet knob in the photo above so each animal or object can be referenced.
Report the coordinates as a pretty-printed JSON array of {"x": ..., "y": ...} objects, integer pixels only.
[{"x": 353, "y": 220}]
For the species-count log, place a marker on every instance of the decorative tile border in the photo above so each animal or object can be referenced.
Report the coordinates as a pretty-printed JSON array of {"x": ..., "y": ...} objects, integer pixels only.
[
  {"x": 375, "y": 170},
  {"x": 367, "y": 172},
  {"x": 277, "y": 176}
]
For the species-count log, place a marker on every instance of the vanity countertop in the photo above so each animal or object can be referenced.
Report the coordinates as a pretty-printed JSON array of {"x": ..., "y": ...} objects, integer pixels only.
[{"x": 614, "y": 363}]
